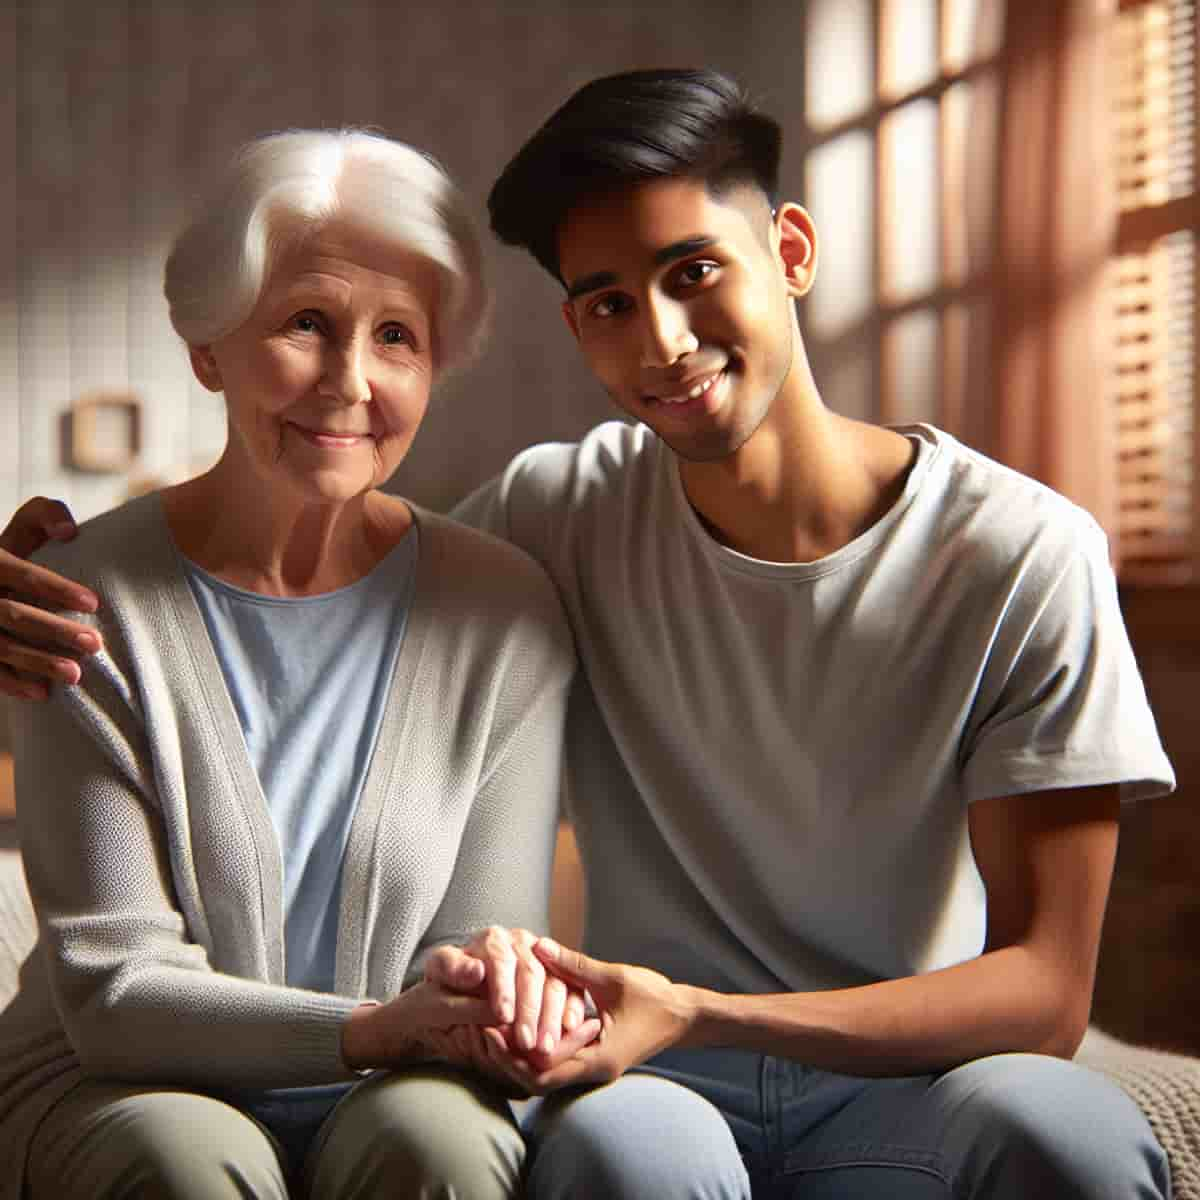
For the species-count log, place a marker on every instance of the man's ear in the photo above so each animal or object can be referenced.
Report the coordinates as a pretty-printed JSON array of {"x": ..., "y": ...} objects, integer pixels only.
[
  {"x": 797, "y": 246},
  {"x": 568, "y": 312},
  {"x": 204, "y": 367}
]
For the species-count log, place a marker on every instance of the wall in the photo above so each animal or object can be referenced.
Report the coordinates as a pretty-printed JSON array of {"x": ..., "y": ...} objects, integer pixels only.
[
  {"x": 1149, "y": 973},
  {"x": 117, "y": 111}
]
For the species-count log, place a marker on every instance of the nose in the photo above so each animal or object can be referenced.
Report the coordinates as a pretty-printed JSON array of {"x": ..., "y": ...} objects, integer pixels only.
[
  {"x": 343, "y": 374},
  {"x": 666, "y": 334}
]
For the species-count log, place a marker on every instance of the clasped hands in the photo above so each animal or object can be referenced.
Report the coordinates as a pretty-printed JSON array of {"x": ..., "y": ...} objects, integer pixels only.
[{"x": 555, "y": 1016}]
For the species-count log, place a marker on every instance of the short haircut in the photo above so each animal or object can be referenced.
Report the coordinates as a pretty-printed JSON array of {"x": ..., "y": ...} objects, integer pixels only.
[
  {"x": 285, "y": 187},
  {"x": 627, "y": 129}
]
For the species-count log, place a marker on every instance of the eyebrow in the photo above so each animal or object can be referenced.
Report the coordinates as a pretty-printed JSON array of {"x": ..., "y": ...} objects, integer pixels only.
[{"x": 676, "y": 250}]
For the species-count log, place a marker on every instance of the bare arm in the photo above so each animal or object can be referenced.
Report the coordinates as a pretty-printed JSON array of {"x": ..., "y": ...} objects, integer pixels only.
[
  {"x": 1046, "y": 861},
  {"x": 37, "y": 647}
]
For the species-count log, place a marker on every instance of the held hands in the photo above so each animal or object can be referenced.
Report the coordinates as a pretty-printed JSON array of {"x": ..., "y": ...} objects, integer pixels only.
[
  {"x": 641, "y": 1014},
  {"x": 640, "y": 1011},
  {"x": 38, "y": 648},
  {"x": 537, "y": 1020}
]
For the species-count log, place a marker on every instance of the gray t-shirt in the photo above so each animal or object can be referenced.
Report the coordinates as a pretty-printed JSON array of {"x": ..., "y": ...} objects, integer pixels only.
[
  {"x": 308, "y": 677},
  {"x": 771, "y": 764}
]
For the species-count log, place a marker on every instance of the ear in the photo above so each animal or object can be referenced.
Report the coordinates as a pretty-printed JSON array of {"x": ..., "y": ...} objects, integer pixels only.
[
  {"x": 797, "y": 246},
  {"x": 204, "y": 367},
  {"x": 568, "y": 312}
]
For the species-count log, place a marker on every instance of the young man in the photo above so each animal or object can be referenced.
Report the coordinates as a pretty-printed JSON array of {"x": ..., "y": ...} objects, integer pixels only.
[{"x": 858, "y": 716}]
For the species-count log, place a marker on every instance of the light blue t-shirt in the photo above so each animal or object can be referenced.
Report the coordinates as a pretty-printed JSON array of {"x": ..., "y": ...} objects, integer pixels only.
[{"x": 308, "y": 677}]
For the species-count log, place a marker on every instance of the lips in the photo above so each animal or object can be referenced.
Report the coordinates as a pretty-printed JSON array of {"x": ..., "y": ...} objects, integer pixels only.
[
  {"x": 332, "y": 438},
  {"x": 686, "y": 391}
]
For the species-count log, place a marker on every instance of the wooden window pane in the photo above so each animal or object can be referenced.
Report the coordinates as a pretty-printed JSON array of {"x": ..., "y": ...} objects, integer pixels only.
[
  {"x": 848, "y": 382},
  {"x": 912, "y": 357},
  {"x": 840, "y": 61},
  {"x": 909, "y": 177},
  {"x": 840, "y": 186},
  {"x": 908, "y": 45},
  {"x": 972, "y": 31},
  {"x": 969, "y": 146}
]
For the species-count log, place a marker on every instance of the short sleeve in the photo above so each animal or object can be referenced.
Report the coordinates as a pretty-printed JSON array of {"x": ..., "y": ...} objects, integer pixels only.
[{"x": 1061, "y": 701}]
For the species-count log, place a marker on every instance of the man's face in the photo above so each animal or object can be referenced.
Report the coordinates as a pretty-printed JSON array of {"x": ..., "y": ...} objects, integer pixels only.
[{"x": 682, "y": 306}]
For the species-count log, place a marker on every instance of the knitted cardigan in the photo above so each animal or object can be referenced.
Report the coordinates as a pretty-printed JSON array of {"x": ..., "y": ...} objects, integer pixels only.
[{"x": 153, "y": 864}]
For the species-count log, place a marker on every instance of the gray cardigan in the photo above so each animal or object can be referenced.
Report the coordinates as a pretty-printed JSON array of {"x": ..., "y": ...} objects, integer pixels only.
[{"x": 151, "y": 856}]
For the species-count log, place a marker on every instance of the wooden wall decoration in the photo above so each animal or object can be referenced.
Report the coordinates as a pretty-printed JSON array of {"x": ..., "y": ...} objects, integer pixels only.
[{"x": 104, "y": 433}]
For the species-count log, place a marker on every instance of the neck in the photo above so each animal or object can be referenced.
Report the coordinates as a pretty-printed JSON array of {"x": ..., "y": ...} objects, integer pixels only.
[
  {"x": 277, "y": 544},
  {"x": 804, "y": 484}
]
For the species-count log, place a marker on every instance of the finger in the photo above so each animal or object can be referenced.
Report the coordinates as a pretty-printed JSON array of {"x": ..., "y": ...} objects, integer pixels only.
[
  {"x": 495, "y": 948},
  {"x": 589, "y": 1065},
  {"x": 30, "y": 662},
  {"x": 20, "y": 686},
  {"x": 550, "y": 1023},
  {"x": 454, "y": 968},
  {"x": 39, "y": 629},
  {"x": 570, "y": 1045},
  {"x": 573, "y": 965},
  {"x": 32, "y": 581},
  {"x": 530, "y": 987},
  {"x": 35, "y": 522},
  {"x": 574, "y": 1010}
]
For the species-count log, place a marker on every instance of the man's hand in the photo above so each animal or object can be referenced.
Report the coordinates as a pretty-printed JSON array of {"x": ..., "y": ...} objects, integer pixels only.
[
  {"x": 533, "y": 1011},
  {"x": 641, "y": 1013},
  {"x": 36, "y": 647}
]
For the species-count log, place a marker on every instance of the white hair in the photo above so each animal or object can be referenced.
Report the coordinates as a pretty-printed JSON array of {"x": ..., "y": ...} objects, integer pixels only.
[{"x": 287, "y": 186}]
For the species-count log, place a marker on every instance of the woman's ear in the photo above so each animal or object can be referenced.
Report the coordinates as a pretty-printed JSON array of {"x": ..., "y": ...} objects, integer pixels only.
[
  {"x": 797, "y": 246},
  {"x": 204, "y": 366}
]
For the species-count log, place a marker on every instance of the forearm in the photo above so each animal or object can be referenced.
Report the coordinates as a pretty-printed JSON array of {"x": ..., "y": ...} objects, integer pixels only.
[{"x": 1006, "y": 1000}]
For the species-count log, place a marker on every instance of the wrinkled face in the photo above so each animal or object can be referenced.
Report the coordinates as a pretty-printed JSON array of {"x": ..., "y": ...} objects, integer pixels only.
[
  {"x": 328, "y": 379},
  {"x": 682, "y": 306}
]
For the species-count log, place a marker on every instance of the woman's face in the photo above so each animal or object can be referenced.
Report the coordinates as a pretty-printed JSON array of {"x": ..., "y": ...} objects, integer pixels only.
[{"x": 327, "y": 380}]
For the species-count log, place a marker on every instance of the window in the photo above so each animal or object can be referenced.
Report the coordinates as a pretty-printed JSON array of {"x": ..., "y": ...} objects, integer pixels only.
[
  {"x": 899, "y": 147},
  {"x": 1153, "y": 286},
  {"x": 901, "y": 142}
]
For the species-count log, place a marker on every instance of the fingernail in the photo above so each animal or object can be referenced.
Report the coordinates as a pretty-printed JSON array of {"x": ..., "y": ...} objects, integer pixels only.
[
  {"x": 549, "y": 947},
  {"x": 87, "y": 641},
  {"x": 547, "y": 1043},
  {"x": 68, "y": 672},
  {"x": 85, "y": 602},
  {"x": 62, "y": 529},
  {"x": 525, "y": 1037},
  {"x": 506, "y": 1012}
]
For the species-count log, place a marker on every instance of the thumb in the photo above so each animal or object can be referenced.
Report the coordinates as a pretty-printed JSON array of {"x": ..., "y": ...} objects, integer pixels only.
[
  {"x": 34, "y": 523},
  {"x": 573, "y": 965}
]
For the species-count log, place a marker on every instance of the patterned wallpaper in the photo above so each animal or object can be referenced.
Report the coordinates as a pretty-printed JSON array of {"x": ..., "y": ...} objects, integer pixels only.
[{"x": 112, "y": 112}]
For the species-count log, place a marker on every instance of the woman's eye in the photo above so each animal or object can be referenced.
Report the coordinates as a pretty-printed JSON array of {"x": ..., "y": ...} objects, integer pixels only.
[
  {"x": 306, "y": 323},
  {"x": 397, "y": 335}
]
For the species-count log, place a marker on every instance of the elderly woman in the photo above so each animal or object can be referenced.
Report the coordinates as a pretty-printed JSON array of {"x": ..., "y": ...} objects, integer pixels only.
[{"x": 323, "y": 737}]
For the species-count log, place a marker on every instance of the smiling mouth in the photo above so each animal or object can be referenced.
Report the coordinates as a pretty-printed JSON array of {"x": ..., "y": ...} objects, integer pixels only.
[
  {"x": 329, "y": 438},
  {"x": 693, "y": 393}
]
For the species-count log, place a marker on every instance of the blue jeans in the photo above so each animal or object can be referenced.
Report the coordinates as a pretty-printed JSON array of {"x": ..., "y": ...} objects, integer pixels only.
[{"x": 721, "y": 1124}]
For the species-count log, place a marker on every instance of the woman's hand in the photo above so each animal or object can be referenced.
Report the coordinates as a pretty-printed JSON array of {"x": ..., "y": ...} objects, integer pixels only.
[
  {"x": 408, "y": 1028},
  {"x": 533, "y": 1010},
  {"x": 38, "y": 648}
]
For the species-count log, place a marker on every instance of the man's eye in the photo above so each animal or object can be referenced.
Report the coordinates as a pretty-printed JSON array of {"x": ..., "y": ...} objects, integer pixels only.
[
  {"x": 306, "y": 323},
  {"x": 697, "y": 272},
  {"x": 609, "y": 306}
]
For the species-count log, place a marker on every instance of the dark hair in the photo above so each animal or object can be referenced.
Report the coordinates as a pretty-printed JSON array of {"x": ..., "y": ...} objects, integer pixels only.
[{"x": 628, "y": 129}]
